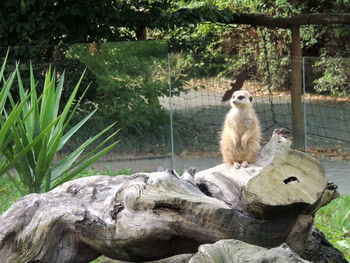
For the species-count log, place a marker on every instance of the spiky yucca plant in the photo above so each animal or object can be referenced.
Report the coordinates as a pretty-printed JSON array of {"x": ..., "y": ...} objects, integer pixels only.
[{"x": 35, "y": 131}]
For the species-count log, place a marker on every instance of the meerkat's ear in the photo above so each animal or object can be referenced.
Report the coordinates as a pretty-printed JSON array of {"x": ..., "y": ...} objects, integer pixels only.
[{"x": 250, "y": 98}]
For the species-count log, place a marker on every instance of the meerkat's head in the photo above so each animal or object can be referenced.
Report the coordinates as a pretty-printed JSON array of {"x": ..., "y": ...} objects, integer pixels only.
[{"x": 241, "y": 98}]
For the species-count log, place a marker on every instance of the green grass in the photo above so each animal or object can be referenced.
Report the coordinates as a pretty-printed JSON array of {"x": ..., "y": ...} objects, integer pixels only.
[
  {"x": 99, "y": 259},
  {"x": 334, "y": 221},
  {"x": 8, "y": 193}
]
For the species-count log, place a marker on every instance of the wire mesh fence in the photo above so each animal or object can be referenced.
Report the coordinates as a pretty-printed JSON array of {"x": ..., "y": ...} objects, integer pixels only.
[
  {"x": 199, "y": 110},
  {"x": 327, "y": 116},
  {"x": 131, "y": 83}
]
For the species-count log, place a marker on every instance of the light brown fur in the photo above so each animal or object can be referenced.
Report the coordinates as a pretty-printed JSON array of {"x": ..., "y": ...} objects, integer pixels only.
[{"x": 240, "y": 137}]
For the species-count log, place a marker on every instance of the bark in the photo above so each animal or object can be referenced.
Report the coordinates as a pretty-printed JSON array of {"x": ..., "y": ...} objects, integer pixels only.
[
  {"x": 141, "y": 33},
  {"x": 183, "y": 258},
  {"x": 234, "y": 251},
  {"x": 318, "y": 250},
  {"x": 150, "y": 216}
]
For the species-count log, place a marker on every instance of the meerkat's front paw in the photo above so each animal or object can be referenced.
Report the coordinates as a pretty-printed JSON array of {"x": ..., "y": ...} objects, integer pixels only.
[
  {"x": 236, "y": 165},
  {"x": 245, "y": 164},
  {"x": 235, "y": 142}
]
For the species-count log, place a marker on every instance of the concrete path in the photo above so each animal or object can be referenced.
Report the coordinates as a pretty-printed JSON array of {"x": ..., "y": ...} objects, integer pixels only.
[{"x": 338, "y": 172}]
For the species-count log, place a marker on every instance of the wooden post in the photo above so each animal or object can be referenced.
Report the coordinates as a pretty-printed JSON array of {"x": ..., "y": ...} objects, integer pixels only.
[
  {"x": 141, "y": 33},
  {"x": 296, "y": 88},
  {"x": 94, "y": 48}
]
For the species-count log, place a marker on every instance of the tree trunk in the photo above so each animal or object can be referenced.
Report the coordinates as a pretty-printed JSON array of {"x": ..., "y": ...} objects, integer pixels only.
[
  {"x": 149, "y": 216},
  {"x": 141, "y": 33}
]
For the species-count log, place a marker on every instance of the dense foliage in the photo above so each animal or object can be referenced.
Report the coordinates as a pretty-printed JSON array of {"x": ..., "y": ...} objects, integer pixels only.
[
  {"x": 130, "y": 77},
  {"x": 188, "y": 25},
  {"x": 265, "y": 52},
  {"x": 40, "y": 22},
  {"x": 126, "y": 82}
]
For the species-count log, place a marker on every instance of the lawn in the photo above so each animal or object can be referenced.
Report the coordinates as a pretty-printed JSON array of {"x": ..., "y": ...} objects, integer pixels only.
[{"x": 334, "y": 221}]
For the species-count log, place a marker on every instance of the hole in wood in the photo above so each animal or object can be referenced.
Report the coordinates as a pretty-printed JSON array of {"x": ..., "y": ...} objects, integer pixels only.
[
  {"x": 291, "y": 179},
  {"x": 204, "y": 189},
  {"x": 116, "y": 209}
]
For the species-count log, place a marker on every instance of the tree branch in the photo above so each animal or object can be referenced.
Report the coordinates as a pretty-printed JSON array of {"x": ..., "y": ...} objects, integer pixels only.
[{"x": 226, "y": 16}]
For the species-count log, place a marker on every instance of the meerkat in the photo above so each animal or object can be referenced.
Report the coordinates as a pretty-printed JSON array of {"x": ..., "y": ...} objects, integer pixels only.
[{"x": 240, "y": 136}]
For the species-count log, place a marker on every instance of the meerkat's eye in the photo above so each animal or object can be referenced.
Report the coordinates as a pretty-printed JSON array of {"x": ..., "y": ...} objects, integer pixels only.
[
  {"x": 240, "y": 97},
  {"x": 251, "y": 98}
]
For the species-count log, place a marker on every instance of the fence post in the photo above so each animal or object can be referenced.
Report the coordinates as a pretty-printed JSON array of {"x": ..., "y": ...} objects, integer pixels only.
[
  {"x": 171, "y": 114},
  {"x": 296, "y": 88}
]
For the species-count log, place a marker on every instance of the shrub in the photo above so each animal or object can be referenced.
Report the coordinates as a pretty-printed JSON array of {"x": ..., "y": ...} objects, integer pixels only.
[
  {"x": 130, "y": 77},
  {"x": 335, "y": 79}
]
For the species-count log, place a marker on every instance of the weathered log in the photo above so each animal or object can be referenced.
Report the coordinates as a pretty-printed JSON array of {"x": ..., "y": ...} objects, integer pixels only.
[
  {"x": 182, "y": 258},
  {"x": 277, "y": 196},
  {"x": 134, "y": 218},
  {"x": 232, "y": 251},
  {"x": 235, "y": 251},
  {"x": 149, "y": 216},
  {"x": 318, "y": 250}
]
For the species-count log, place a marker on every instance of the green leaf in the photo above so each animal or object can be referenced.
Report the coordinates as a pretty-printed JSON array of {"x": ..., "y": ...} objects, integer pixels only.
[
  {"x": 73, "y": 130},
  {"x": 9, "y": 121},
  {"x": 4, "y": 64},
  {"x": 5, "y": 91},
  {"x": 96, "y": 148},
  {"x": 75, "y": 108},
  {"x": 58, "y": 95},
  {"x": 65, "y": 165},
  {"x": 85, "y": 165},
  {"x": 47, "y": 181},
  {"x": 27, "y": 148},
  {"x": 47, "y": 102},
  {"x": 69, "y": 102}
]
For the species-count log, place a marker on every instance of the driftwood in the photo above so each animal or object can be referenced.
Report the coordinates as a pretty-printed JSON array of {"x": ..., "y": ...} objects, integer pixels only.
[
  {"x": 280, "y": 194},
  {"x": 237, "y": 251},
  {"x": 182, "y": 258},
  {"x": 150, "y": 216},
  {"x": 318, "y": 250},
  {"x": 232, "y": 251}
]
